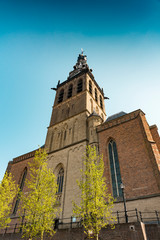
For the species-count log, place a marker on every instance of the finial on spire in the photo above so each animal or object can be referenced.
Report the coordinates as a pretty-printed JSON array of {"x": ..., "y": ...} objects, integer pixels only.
[{"x": 82, "y": 51}]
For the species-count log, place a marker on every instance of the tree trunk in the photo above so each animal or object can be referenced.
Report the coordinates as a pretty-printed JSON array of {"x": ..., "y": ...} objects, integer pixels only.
[
  {"x": 97, "y": 236},
  {"x": 42, "y": 235}
]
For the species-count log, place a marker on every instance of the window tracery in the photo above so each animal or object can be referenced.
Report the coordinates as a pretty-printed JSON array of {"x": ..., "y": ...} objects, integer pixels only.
[{"x": 115, "y": 169}]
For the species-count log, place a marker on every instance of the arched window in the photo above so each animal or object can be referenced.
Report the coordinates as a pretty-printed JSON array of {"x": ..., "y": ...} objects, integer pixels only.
[
  {"x": 60, "y": 179},
  {"x": 80, "y": 86},
  {"x": 96, "y": 95},
  {"x": 70, "y": 90},
  {"x": 60, "y": 99},
  {"x": 21, "y": 185},
  {"x": 115, "y": 169},
  {"x": 90, "y": 87},
  {"x": 101, "y": 103}
]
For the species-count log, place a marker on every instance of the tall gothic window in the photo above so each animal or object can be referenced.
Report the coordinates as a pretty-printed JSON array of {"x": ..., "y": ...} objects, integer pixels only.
[
  {"x": 90, "y": 87},
  {"x": 60, "y": 98},
  {"x": 21, "y": 189},
  {"x": 60, "y": 179},
  {"x": 70, "y": 90},
  {"x": 101, "y": 103},
  {"x": 115, "y": 169},
  {"x": 80, "y": 86},
  {"x": 96, "y": 95}
]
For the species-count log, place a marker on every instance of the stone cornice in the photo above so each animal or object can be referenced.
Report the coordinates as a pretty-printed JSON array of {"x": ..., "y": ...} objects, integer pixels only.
[
  {"x": 140, "y": 197},
  {"x": 119, "y": 120},
  {"x": 84, "y": 71},
  {"x": 68, "y": 146},
  {"x": 25, "y": 156}
]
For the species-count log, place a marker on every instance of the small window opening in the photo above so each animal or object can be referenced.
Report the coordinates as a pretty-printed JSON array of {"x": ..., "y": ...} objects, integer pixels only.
[
  {"x": 79, "y": 86},
  {"x": 96, "y": 95},
  {"x": 70, "y": 91},
  {"x": 60, "y": 99},
  {"x": 90, "y": 87},
  {"x": 101, "y": 104}
]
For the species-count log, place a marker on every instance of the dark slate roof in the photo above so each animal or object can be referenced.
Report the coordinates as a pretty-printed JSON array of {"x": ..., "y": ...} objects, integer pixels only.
[{"x": 114, "y": 116}]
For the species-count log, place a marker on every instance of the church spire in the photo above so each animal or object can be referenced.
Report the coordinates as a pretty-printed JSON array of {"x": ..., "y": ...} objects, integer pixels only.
[
  {"x": 80, "y": 65},
  {"x": 81, "y": 61}
]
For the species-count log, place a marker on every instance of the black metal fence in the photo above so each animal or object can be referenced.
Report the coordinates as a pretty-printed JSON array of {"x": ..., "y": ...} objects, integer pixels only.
[{"x": 73, "y": 222}]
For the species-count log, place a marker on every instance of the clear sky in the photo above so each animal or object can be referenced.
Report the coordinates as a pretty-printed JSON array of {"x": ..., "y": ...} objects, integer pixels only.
[{"x": 39, "y": 44}]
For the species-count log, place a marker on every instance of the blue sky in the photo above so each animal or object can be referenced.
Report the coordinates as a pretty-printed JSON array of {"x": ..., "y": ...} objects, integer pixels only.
[{"x": 39, "y": 44}]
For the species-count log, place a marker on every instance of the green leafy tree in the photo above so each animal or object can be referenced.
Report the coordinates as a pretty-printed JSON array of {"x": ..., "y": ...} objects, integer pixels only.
[
  {"x": 95, "y": 208},
  {"x": 40, "y": 200},
  {"x": 8, "y": 191}
]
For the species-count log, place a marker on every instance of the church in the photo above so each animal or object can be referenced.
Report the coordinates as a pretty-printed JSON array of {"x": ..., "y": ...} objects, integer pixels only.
[{"x": 130, "y": 147}]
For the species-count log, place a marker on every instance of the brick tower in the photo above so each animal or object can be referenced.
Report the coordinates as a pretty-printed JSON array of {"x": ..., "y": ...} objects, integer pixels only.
[{"x": 78, "y": 108}]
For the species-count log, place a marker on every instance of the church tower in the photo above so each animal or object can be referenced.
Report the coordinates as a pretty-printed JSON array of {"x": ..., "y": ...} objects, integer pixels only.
[{"x": 78, "y": 108}]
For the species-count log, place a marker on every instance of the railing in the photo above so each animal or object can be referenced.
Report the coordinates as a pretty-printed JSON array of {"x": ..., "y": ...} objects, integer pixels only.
[
  {"x": 133, "y": 216},
  {"x": 151, "y": 217},
  {"x": 72, "y": 222}
]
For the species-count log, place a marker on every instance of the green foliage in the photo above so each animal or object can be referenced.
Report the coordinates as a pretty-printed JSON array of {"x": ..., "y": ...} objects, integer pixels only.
[
  {"x": 96, "y": 204},
  {"x": 8, "y": 191},
  {"x": 40, "y": 200}
]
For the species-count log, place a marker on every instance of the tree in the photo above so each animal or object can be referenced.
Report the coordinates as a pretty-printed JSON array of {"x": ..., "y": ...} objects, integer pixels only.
[
  {"x": 96, "y": 204},
  {"x": 40, "y": 200},
  {"x": 8, "y": 191}
]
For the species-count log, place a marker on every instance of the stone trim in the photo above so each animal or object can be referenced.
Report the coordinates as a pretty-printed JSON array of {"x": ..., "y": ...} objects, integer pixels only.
[
  {"x": 153, "y": 126},
  {"x": 139, "y": 198},
  {"x": 24, "y": 156},
  {"x": 68, "y": 118},
  {"x": 119, "y": 120},
  {"x": 64, "y": 147}
]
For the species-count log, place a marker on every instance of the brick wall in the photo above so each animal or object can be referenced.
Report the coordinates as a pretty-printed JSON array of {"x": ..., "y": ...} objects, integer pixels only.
[
  {"x": 16, "y": 168},
  {"x": 130, "y": 231},
  {"x": 155, "y": 135},
  {"x": 135, "y": 154}
]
